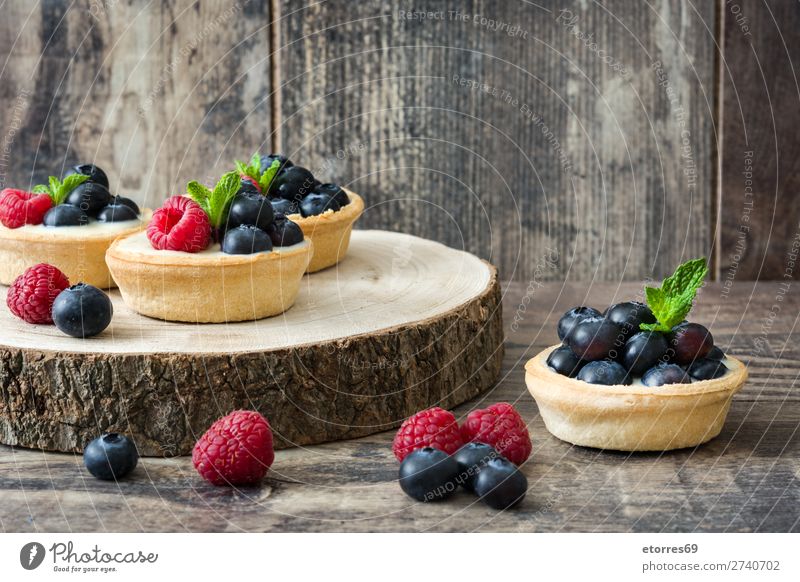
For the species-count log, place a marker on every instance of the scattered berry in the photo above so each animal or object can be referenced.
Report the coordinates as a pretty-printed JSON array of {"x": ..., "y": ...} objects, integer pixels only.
[
  {"x": 32, "y": 294},
  {"x": 65, "y": 215},
  {"x": 250, "y": 208},
  {"x": 500, "y": 484},
  {"x": 428, "y": 474},
  {"x": 90, "y": 197},
  {"x": 563, "y": 361},
  {"x": 117, "y": 213},
  {"x": 471, "y": 458},
  {"x": 572, "y": 317},
  {"x": 500, "y": 426},
  {"x": 689, "y": 342},
  {"x": 236, "y": 450},
  {"x": 285, "y": 233},
  {"x": 82, "y": 311},
  {"x": 18, "y": 207},
  {"x": 334, "y": 191},
  {"x": 605, "y": 372},
  {"x": 665, "y": 374},
  {"x": 629, "y": 316},
  {"x": 644, "y": 350},
  {"x": 705, "y": 369},
  {"x": 314, "y": 204},
  {"x": 246, "y": 239},
  {"x": 434, "y": 427},
  {"x": 180, "y": 225},
  {"x": 110, "y": 456},
  {"x": 595, "y": 338},
  {"x": 95, "y": 173}
]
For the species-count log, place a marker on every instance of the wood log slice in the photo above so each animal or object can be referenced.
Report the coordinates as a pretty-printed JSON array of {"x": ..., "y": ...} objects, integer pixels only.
[{"x": 400, "y": 325}]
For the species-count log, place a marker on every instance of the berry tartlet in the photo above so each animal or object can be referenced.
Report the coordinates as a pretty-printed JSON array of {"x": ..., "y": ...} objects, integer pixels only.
[
  {"x": 325, "y": 212},
  {"x": 68, "y": 224},
  {"x": 637, "y": 377},
  {"x": 212, "y": 256}
]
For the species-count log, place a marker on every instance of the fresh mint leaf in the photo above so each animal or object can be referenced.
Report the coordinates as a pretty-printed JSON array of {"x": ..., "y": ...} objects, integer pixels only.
[
  {"x": 672, "y": 302},
  {"x": 255, "y": 162},
  {"x": 221, "y": 197},
  {"x": 265, "y": 181},
  {"x": 261, "y": 176},
  {"x": 41, "y": 189},
  {"x": 58, "y": 190}
]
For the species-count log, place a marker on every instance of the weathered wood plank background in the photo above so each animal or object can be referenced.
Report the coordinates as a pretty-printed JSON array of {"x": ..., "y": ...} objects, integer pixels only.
[{"x": 505, "y": 128}]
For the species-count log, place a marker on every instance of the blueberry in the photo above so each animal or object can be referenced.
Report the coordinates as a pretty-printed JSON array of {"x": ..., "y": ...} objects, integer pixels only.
[
  {"x": 284, "y": 206},
  {"x": 246, "y": 239},
  {"x": 595, "y": 338},
  {"x": 630, "y": 315},
  {"x": 665, "y": 374},
  {"x": 95, "y": 173},
  {"x": 563, "y": 361},
  {"x": 117, "y": 213},
  {"x": 293, "y": 184},
  {"x": 429, "y": 475},
  {"x": 643, "y": 350},
  {"x": 65, "y": 215},
  {"x": 604, "y": 372},
  {"x": 90, "y": 197},
  {"x": 572, "y": 317},
  {"x": 121, "y": 200},
  {"x": 689, "y": 342},
  {"x": 500, "y": 485},
  {"x": 285, "y": 233},
  {"x": 110, "y": 456},
  {"x": 314, "y": 204},
  {"x": 251, "y": 208},
  {"x": 471, "y": 458},
  {"x": 82, "y": 310},
  {"x": 705, "y": 369},
  {"x": 334, "y": 191},
  {"x": 715, "y": 354},
  {"x": 266, "y": 162},
  {"x": 247, "y": 186}
]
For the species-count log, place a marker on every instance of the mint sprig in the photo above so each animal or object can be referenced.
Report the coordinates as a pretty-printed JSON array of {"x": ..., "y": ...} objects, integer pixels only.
[
  {"x": 672, "y": 302},
  {"x": 262, "y": 176},
  {"x": 58, "y": 190},
  {"x": 215, "y": 202}
]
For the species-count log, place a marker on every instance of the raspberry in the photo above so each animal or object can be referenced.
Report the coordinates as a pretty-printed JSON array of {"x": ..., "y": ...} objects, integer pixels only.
[
  {"x": 236, "y": 450},
  {"x": 502, "y": 427},
  {"x": 18, "y": 207},
  {"x": 179, "y": 225},
  {"x": 434, "y": 427},
  {"x": 32, "y": 294}
]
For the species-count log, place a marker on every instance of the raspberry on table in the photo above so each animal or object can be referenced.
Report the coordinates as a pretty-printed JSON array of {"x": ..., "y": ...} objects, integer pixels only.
[
  {"x": 18, "y": 207},
  {"x": 180, "y": 225},
  {"x": 433, "y": 427},
  {"x": 32, "y": 294},
  {"x": 500, "y": 426},
  {"x": 236, "y": 450}
]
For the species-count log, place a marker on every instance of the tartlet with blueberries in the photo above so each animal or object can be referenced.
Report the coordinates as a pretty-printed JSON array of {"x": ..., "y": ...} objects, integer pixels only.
[
  {"x": 325, "y": 212},
  {"x": 637, "y": 377},
  {"x": 212, "y": 256},
  {"x": 67, "y": 223}
]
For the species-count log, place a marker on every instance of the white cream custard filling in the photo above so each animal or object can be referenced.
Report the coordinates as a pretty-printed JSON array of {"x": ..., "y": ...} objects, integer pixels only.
[
  {"x": 140, "y": 244},
  {"x": 94, "y": 229}
]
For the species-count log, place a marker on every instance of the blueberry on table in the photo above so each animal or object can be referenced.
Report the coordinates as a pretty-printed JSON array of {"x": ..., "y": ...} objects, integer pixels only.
[
  {"x": 605, "y": 372},
  {"x": 314, "y": 204},
  {"x": 500, "y": 484},
  {"x": 117, "y": 213},
  {"x": 429, "y": 474},
  {"x": 564, "y": 362},
  {"x": 689, "y": 342},
  {"x": 595, "y": 338},
  {"x": 110, "y": 456},
  {"x": 572, "y": 317},
  {"x": 90, "y": 197},
  {"x": 285, "y": 233},
  {"x": 334, "y": 191},
  {"x": 471, "y": 458},
  {"x": 665, "y": 374},
  {"x": 65, "y": 215},
  {"x": 293, "y": 184},
  {"x": 643, "y": 350},
  {"x": 705, "y": 369},
  {"x": 251, "y": 208},
  {"x": 95, "y": 173},
  {"x": 246, "y": 239},
  {"x": 82, "y": 310},
  {"x": 284, "y": 206},
  {"x": 629, "y": 315}
]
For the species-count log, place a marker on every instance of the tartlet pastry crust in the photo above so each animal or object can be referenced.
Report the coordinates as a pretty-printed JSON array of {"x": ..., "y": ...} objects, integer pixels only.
[
  {"x": 82, "y": 257},
  {"x": 208, "y": 288},
  {"x": 632, "y": 418},
  {"x": 330, "y": 232}
]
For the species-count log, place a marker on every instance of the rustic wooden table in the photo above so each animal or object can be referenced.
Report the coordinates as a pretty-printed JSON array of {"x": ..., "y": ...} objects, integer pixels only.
[{"x": 748, "y": 479}]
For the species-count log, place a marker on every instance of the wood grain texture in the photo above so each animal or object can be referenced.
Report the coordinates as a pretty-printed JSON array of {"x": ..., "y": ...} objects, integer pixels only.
[
  {"x": 366, "y": 345},
  {"x": 579, "y": 127},
  {"x": 747, "y": 479},
  {"x": 156, "y": 93},
  {"x": 760, "y": 230}
]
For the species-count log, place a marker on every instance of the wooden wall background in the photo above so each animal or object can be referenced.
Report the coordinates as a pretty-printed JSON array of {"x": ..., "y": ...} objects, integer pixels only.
[{"x": 613, "y": 133}]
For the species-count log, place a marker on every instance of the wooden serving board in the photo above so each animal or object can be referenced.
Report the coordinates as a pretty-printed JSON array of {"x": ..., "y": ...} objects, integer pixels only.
[{"x": 401, "y": 324}]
